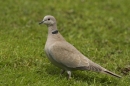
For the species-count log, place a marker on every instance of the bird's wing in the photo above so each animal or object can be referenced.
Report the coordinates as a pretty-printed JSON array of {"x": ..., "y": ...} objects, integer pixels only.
[{"x": 66, "y": 54}]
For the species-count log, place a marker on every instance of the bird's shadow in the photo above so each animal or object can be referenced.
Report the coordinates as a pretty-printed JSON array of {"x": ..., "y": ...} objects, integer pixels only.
[{"x": 85, "y": 76}]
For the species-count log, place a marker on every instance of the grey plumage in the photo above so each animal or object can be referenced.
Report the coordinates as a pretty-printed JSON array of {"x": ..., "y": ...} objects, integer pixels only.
[{"x": 64, "y": 55}]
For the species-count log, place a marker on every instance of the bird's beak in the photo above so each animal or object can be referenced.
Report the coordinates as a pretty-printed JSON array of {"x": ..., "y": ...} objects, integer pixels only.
[{"x": 41, "y": 22}]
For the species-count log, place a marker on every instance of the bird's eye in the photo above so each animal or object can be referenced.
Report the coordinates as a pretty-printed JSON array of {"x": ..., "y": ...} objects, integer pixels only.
[{"x": 49, "y": 19}]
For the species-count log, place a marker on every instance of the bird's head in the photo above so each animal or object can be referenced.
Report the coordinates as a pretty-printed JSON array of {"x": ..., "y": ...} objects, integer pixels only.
[{"x": 48, "y": 20}]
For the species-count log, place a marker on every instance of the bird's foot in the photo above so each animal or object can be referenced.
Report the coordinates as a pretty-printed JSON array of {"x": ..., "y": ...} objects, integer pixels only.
[
  {"x": 62, "y": 71},
  {"x": 69, "y": 73}
]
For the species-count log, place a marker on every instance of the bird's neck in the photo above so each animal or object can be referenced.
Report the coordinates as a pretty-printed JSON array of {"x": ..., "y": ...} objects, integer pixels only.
[
  {"x": 53, "y": 34},
  {"x": 52, "y": 29}
]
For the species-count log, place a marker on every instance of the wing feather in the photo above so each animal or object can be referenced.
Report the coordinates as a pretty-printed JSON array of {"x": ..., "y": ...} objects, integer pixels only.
[{"x": 68, "y": 55}]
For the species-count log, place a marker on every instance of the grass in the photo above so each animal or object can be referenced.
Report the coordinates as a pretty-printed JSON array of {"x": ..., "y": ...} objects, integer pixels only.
[{"x": 99, "y": 29}]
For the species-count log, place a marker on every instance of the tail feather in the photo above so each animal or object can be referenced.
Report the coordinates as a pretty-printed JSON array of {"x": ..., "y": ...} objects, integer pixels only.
[
  {"x": 110, "y": 73},
  {"x": 98, "y": 68},
  {"x": 95, "y": 67}
]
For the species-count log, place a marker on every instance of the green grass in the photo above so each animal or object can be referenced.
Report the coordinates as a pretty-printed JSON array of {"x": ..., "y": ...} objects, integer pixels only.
[{"x": 100, "y": 29}]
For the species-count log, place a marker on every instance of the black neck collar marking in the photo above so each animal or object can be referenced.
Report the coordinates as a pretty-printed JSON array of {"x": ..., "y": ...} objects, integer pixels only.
[{"x": 55, "y": 32}]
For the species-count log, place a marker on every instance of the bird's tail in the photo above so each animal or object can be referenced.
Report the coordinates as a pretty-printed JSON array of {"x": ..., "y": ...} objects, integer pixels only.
[
  {"x": 95, "y": 67},
  {"x": 110, "y": 73}
]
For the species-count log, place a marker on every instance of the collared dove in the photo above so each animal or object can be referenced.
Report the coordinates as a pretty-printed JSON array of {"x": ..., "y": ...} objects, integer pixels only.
[{"x": 64, "y": 55}]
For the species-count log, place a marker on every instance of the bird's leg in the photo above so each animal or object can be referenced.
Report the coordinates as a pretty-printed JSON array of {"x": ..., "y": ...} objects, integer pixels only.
[
  {"x": 62, "y": 71},
  {"x": 69, "y": 73}
]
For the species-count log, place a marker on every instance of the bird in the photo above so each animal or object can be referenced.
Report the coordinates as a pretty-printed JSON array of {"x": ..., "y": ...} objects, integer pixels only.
[{"x": 64, "y": 55}]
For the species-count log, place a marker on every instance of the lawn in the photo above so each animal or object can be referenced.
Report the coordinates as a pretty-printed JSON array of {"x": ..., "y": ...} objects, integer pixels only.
[{"x": 100, "y": 29}]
